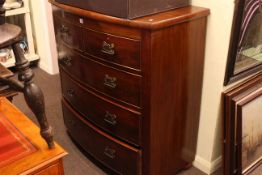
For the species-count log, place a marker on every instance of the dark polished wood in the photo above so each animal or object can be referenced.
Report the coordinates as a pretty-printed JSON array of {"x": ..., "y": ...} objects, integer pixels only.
[
  {"x": 168, "y": 82},
  {"x": 70, "y": 34},
  {"x": 115, "y": 83},
  {"x": 111, "y": 28},
  {"x": 175, "y": 73},
  {"x": 151, "y": 22},
  {"x": 116, "y": 119},
  {"x": 33, "y": 94},
  {"x": 117, "y": 50},
  {"x": 11, "y": 35},
  {"x": 120, "y": 50},
  {"x": 127, "y": 8},
  {"x": 5, "y": 90},
  {"x": 120, "y": 157}
]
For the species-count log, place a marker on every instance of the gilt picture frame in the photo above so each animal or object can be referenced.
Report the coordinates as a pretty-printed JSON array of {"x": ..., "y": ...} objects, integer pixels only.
[
  {"x": 242, "y": 134},
  {"x": 245, "y": 50}
]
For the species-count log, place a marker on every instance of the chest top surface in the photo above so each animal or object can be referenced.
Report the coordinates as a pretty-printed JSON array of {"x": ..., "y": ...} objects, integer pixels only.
[{"x": 152, "y": 22}]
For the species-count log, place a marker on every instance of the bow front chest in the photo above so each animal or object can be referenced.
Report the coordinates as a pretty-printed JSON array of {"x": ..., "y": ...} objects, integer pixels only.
[{"x": 132, "y": 88}]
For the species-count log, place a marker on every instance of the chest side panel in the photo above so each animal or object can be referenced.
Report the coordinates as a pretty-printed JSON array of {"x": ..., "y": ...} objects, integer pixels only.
[{"x": 174, "y": 95}]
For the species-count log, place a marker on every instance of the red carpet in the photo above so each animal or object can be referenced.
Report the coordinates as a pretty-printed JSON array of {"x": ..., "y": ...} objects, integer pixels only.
[{"x": 13, "y": 144}]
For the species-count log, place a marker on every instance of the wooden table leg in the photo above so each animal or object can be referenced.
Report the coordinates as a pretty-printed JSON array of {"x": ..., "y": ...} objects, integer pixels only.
[{"x": 33, "y": 94}]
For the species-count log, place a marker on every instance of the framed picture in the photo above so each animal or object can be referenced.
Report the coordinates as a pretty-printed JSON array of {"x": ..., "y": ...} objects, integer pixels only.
[
  {"x": 249, "y": 135},
  {"x": 245, "y": 52},
  {"x": 243, "y": 128}
]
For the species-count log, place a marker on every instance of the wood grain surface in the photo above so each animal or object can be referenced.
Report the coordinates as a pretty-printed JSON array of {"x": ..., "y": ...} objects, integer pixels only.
[
  {"x": 9, "y": 34},
  {"x": 172, "y": 46},
  {"x": 111, "y": 117},
  {"x": 153, "y": 22},
  {"x": 38, "y": 160}
]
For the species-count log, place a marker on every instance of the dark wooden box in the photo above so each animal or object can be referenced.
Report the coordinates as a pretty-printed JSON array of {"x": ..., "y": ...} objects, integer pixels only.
[{"x": 126, "y": 8}]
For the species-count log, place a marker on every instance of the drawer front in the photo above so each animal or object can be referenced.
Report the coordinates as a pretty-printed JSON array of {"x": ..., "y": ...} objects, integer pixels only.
[
  {"x": 76, "y": 32},
  {"x": 112, "y": 82},
  {"x": 113, "y": 49},
  {"x": 95, "y": 25},
  {"x": 68, "y": 33},
  {"x": 116, "y": 120},
  {"x": 114, "y": 154}
]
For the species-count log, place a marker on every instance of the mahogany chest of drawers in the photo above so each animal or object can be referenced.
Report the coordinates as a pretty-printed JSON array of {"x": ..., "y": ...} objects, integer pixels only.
[{"x": 132, "y": 88}]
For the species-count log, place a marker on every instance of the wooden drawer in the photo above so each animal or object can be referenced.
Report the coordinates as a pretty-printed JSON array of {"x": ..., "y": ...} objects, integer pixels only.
[
  {"x": 100, "y": 26},
  {"x": 68, "y": 33},
  {"x": 120, "y": 85},
  {"x": 77, "y": 33},
  {"x": 114, "y": 49},
  {"x": 114, "y": 154},
  {"x": 114, "y": 119}
]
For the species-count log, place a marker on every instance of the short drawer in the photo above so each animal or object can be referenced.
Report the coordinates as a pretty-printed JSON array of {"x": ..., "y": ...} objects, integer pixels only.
[
  {"x": 116, "y": 155},
  {"x": 68, "y": 33},
  {"x": 102, "y": 27},
  {"x": 111, "y": 48},
  {"x": 112, "y": 118},
  {"x": 117, "y": 84}
]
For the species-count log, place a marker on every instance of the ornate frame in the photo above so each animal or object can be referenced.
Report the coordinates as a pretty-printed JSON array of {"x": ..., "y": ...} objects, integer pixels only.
[
  {"x": 239, "y": 28},
  {"x": 234, "y": 101}
]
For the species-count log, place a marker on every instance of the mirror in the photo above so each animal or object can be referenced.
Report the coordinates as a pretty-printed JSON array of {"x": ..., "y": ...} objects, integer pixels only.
[{"x": 245, "y": 53}]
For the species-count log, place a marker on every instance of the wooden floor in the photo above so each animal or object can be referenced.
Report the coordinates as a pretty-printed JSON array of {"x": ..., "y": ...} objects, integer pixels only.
[{"x": 76, "y": 163}]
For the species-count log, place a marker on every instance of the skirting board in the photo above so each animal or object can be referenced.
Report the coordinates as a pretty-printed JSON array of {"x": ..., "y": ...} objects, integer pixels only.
[{"x": 206, "y": 166}]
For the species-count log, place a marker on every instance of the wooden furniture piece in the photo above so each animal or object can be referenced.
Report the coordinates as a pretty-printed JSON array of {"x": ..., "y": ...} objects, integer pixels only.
[
  {"x": 242, "y": 128},
  {"x": 11, "y": 36},
  {"x": 132, "y": 88},
  {"x": 126, "y": 8},
  {"x": 27, "y": 22},
  {"x": 43, "y": 161}
]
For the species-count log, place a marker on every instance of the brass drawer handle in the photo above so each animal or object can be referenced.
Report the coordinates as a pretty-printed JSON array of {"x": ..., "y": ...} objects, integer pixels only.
[
  {"x": 64, "y": 29},
  {"x": 108, "y": 48},
  {"x": 110, "y": 118},
  {"x": 70, "y": 92},
  {"x": 110, "y": 81},
  {"x": 109, "y": 152},
  {"x": 67, "y": 61}
]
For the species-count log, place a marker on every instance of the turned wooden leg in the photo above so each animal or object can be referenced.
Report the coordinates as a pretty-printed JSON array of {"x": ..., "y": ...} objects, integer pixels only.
[{"x": 33, "y": 94}]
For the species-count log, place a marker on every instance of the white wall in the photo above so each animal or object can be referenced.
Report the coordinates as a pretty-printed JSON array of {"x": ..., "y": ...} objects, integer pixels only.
[
  {"x": 44, "y": 35},
  {"x": 209, "y": 147}
]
